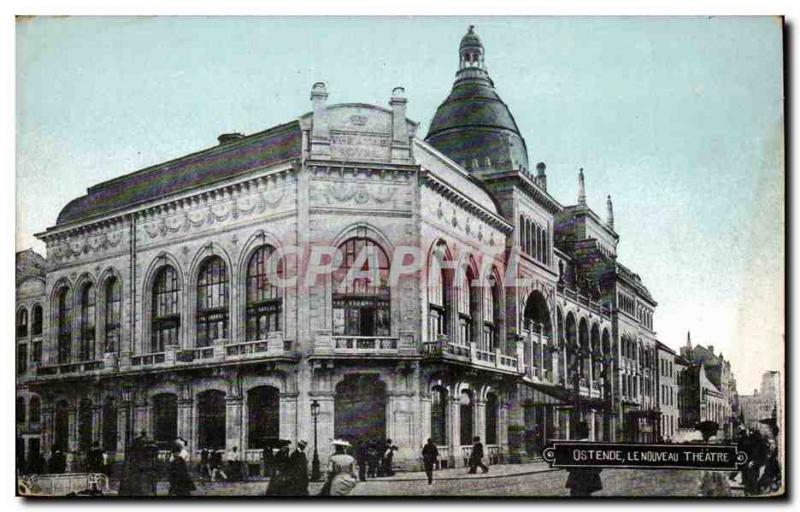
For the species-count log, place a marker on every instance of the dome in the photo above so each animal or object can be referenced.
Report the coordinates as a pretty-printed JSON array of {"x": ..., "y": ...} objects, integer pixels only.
[
  {"x": 470, "y": 39},
  {"x": 473, "y": 126}
]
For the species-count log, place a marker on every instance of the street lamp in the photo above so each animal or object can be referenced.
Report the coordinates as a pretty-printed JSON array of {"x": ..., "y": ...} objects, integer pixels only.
[{"x": 315, "y": 460}]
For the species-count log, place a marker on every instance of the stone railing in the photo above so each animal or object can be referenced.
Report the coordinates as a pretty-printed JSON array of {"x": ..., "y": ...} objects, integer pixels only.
[
  {"x": 149, "y": 359},
  {"x": 365, "y": 344},
  {"x": 69, "y": 368}
]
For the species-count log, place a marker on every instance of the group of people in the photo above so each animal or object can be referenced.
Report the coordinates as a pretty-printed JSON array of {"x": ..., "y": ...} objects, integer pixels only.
[
  {"x": 287, "y": 469},
  {"x": 762, "y": 472},
  {"x": 375, "y": 459}
]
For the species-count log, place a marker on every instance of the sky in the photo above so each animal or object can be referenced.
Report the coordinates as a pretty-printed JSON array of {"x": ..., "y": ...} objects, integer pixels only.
[{"x": 678, "y": 119}]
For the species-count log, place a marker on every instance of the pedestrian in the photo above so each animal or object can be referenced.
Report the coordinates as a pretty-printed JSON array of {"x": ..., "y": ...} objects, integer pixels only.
[
  {"x": 58, "y": 462},
  {"x": 139, "y": 476},
  {"x": 205, "y": 463},
  {"x": 373, "y": 459},
  {"x": 430, "y": 454},
  {"x": 770, "y": 480},
  {"x": 180, "y": 483},
  {"x": 342, "y": 478},
  {"x": 476, "y": 457},
  {"x": 235, "y": 465},
  {"x": 280, "y": 483},
  {"x": 388, "y": 458},
  {"x": 216, "y": 465},
  {"x": 583, "y": 481},
  {"x": 362, "y": 458},
  {"x": 268, "y": 457},
  {"x": 95, "y": 459},
  {"x": 298, "y": 470}
]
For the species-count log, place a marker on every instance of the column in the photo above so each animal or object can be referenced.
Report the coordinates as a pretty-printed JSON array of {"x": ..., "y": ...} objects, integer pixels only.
[
  {"x": 124, "y": 425},
  {"x": 479, "y": 420},
  {"x": 48, "y": 424},
  {"x": 288, "y": 420},
  {"x": 233, "y": 422},
  {"x": 502, "y": 425},
  {"x": 185, "y": 423},
  {"x": 454, "y": 441},
  {"x": 97, "y": 423},
  {"x": 515, "y": 419},
  {"x": 72, "y": 439}
]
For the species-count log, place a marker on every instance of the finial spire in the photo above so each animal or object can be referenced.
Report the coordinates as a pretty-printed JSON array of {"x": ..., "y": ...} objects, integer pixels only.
[
  {"x": 609, "y": 212},
  {"x": 689, "y": 339},
  {"x": 581, "y": 189},
  {"x": 471, "y": 29}
]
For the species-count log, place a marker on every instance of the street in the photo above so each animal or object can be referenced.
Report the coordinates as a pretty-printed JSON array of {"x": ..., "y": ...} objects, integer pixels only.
[{"x": 519, "y": 480}]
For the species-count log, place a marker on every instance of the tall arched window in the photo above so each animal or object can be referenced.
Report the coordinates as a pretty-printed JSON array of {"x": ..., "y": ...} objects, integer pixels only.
[
  {"x": 492, "y": 410},
  {"x": 85, "y": 425},
  {"x": 439, "y": 415},
  {"x": 22, "y": 323},
  {"x": 264, "y": 300},
  {"x": 88, "y": 322},
  {"x": 465, "y": 413},
  {"x": 165, "y": 420},
  {"x": 212, "y": 301},
  {"x": 64, "y": 321},
  {"x": 166, "y": 319},
  {"x": 35, "y": 410},
  {"x": 465, "y": 307},
  {"x": 110, "y": 432},
  {"x": 211, "y": 419},
  {"x": 113, "y": 313},
  {"x": 437, "y": 295},
  {"x": 361, "y": 301},
  {"x": 491, "y": 313},
  {"x": 37, "y": 320}
]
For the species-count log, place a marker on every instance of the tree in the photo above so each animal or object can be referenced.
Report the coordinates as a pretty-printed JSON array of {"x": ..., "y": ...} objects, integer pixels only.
[{"x": 707, "y": 429}]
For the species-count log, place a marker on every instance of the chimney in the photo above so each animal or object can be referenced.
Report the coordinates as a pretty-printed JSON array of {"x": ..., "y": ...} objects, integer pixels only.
[
  {"x": 400, "y": 147},
  {"x": 581, "y": 189},
  {"x": 320, "y": 135},
  {"x": 225, "y": 138},
  {"x": 609, "y": 212},
  {"x": 541, "y": 177}
]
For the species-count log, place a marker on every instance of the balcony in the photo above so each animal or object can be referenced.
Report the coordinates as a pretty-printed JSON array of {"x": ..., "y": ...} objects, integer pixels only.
[
  {"x": 67, "y": 369},
  {"x": 365, "y": 345},
  {"x": 444, "y": 349}
]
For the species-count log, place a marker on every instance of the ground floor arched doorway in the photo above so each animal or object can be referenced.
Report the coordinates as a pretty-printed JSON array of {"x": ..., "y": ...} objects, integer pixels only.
[{"x": 360, "y": 409}]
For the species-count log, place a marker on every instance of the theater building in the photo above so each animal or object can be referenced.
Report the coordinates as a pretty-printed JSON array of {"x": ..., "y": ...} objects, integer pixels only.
[{"x": 168, "y": 303}]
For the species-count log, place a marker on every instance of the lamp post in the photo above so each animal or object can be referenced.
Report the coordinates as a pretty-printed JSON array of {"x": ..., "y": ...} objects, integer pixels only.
[{"x": 315, "y": 460}]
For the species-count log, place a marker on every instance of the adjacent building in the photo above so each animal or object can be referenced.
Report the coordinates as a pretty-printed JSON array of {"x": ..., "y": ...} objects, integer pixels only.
[{"x": 762, "y": 409}]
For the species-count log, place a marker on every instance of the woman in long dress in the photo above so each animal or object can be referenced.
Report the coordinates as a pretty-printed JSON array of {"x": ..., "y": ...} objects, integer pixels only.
[{"x": 342, "y": 476}]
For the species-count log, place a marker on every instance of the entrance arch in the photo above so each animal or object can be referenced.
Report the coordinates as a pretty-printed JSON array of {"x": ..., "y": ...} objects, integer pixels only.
[
  {"x": 263, "y": 415},
  {"x": 360, "y": 409},
  {"x": 165, "y": 419},
  {"x": 211, "y": 419}
]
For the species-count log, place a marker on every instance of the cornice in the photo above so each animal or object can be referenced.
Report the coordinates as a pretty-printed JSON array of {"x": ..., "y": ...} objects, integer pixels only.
[{"x": 450, "y": 193}]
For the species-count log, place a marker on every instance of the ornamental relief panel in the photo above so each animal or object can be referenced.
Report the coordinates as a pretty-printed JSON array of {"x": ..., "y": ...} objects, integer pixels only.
[
  {"x": 459, "y": 220},
  {"x": 350, "y": 187},
  {"x": 76, "y": 245},
  {"x": 218, "y": 209}
]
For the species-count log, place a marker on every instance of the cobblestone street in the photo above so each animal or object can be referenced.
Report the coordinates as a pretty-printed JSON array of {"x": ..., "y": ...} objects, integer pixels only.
[{"x": 531, "y": 480}]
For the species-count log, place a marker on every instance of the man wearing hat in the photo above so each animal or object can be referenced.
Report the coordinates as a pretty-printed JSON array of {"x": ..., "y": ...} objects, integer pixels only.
[{"x": 298, "y": 470}]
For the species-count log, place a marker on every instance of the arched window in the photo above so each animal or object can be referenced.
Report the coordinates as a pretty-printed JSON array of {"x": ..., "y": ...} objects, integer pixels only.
[
  {"x": 110, "y": 425},
  {"x": 211, "y": 419},
  {"x": 166, "y": 319},
  {"x": 491, "y": 313},
  {"x": 263, "y": 414},
  {"x": 439, "y": 415},
  {"x": 22, "y": 323},
  {"x": 64, "y": 320},
  {"x": 465, "y": 413},
  {"x": 88, "y": 322},
  {"x": 361, "y": 301},
  {"x": 20, "y": 410},
  {"x": 37, "y": 320},
  {"x": 438, "y": 306},
  {"x": 492, "y": 410},
  {"x": 85, "y": 425},
  {"x": 467, "y": 307},
  {"x": 165, "y": 420},
  {"x": 113, "y": 313},
  {"x": 264, "y": 300},
  {"x": 35, "y": 410},
  {"x": 212, "y": 301}
]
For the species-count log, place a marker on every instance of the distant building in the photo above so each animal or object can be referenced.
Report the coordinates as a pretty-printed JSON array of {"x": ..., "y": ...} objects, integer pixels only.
[
  {"x": 708, "y": 389},
  {"x": 763, "y": 405},
  {"x": 667, "y": 391}
]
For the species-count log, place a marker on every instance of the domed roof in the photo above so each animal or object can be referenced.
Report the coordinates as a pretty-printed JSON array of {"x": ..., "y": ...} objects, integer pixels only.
[
  {"x": 473, "y": 123},
  {"x": 470, "y": 39}
]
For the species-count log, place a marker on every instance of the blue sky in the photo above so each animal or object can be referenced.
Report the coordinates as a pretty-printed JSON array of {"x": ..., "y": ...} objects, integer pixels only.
[{"x": 679, "y": 119}]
